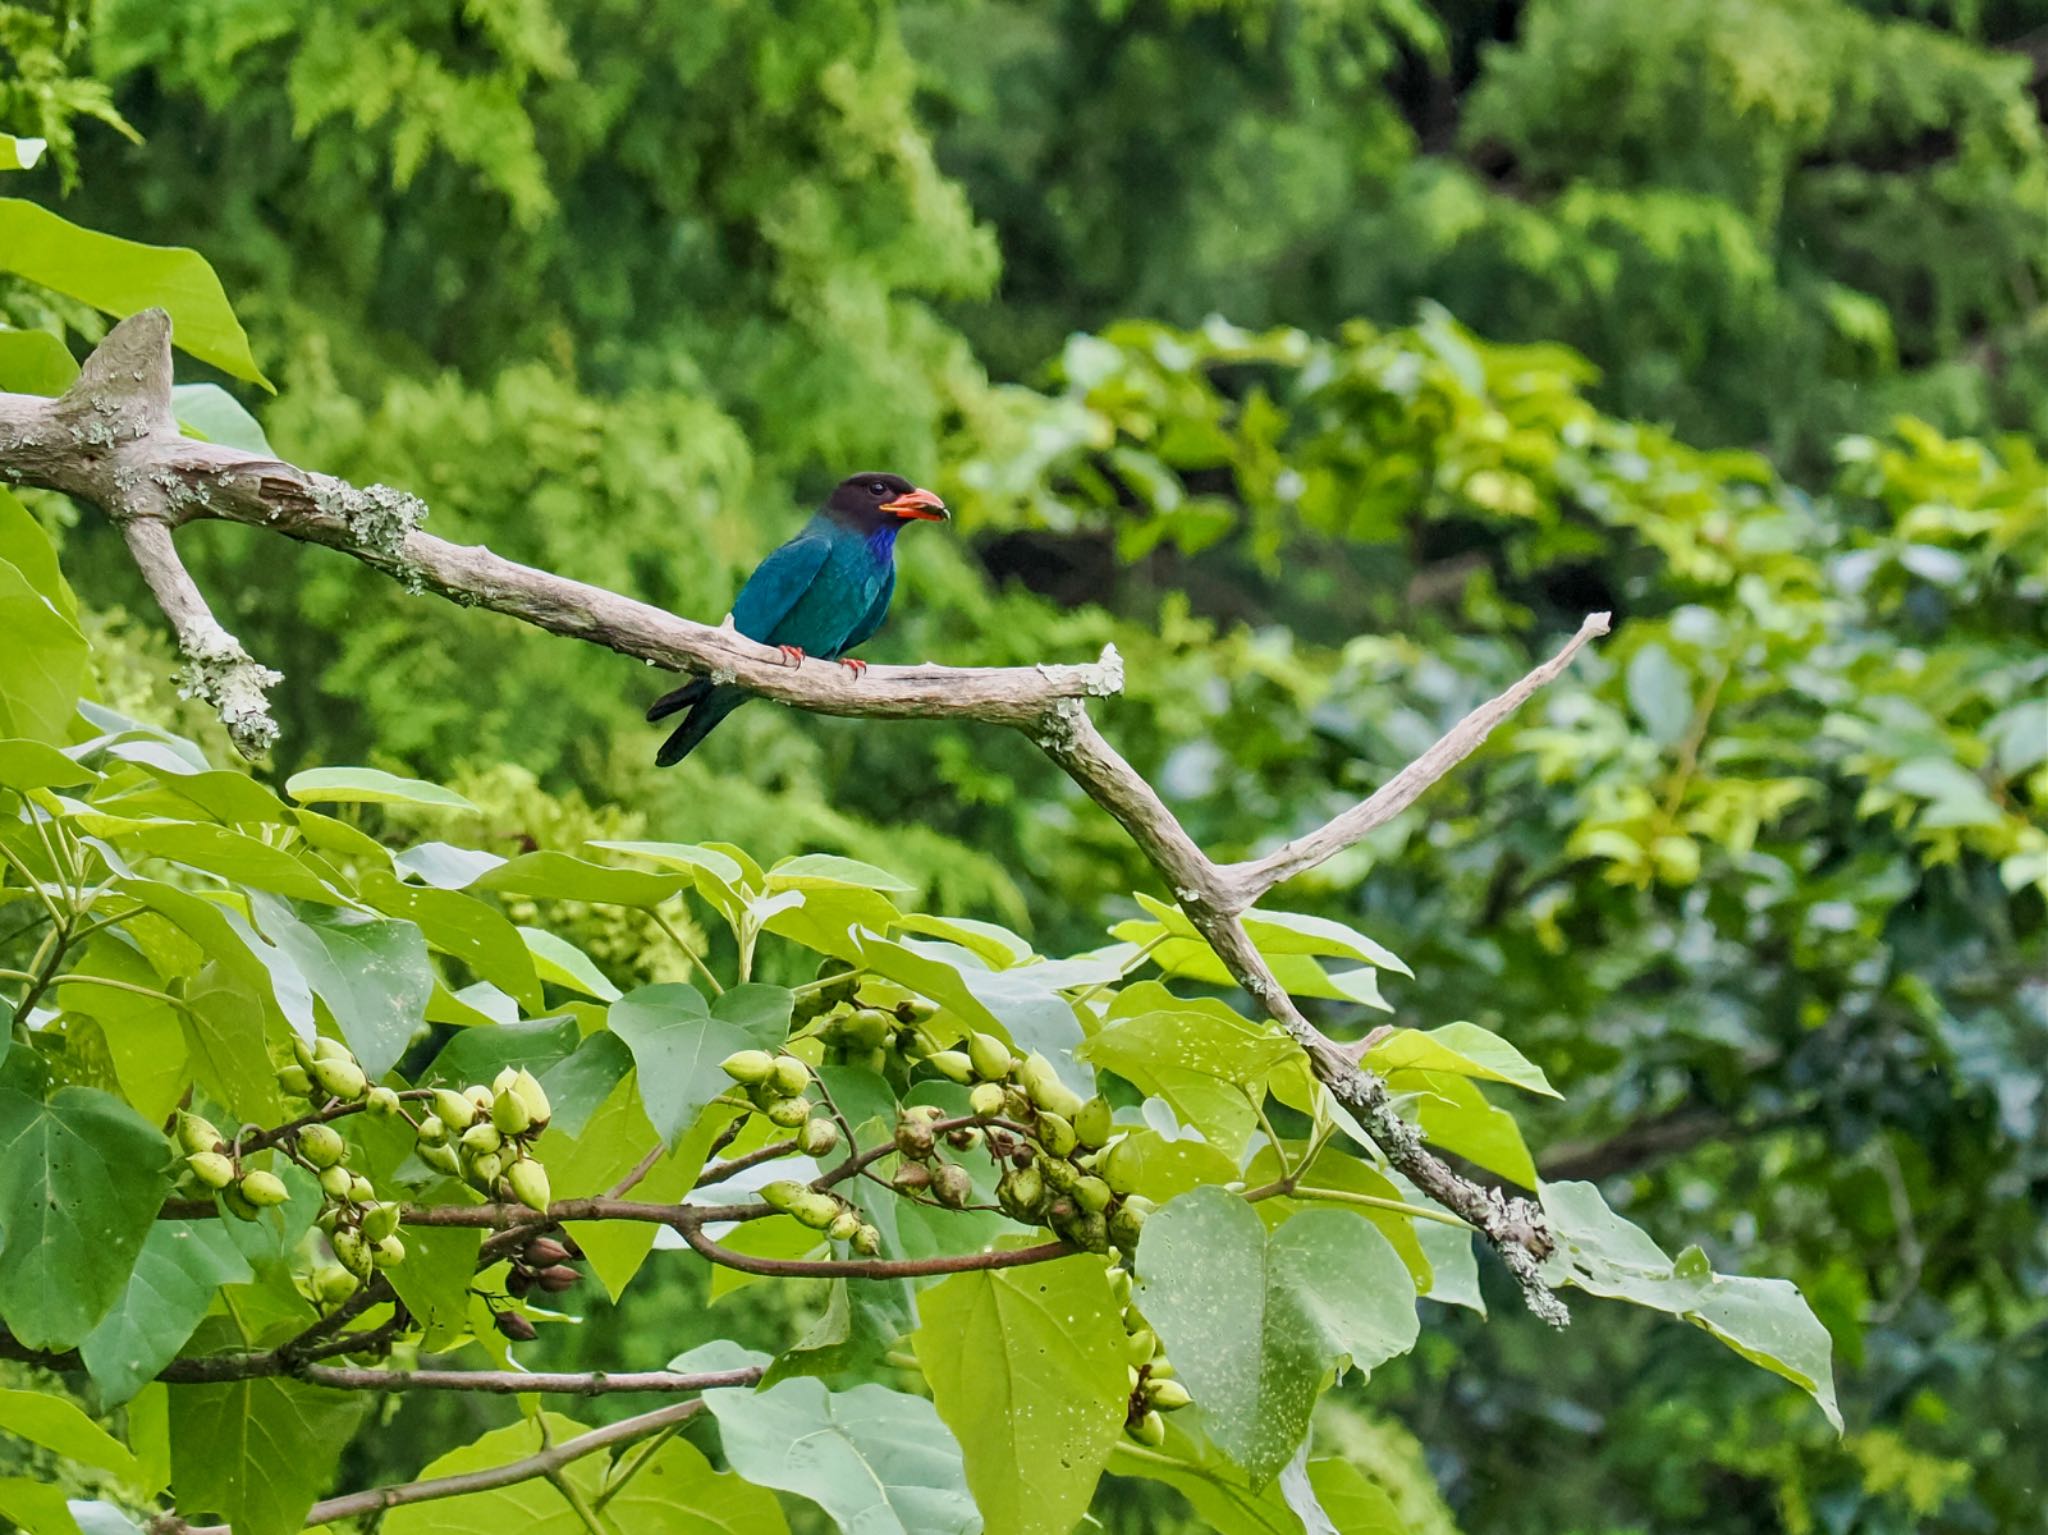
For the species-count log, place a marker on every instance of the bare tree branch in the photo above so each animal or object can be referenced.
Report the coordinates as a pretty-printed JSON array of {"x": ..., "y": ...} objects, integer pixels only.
[{"x": 111, "y": 441}]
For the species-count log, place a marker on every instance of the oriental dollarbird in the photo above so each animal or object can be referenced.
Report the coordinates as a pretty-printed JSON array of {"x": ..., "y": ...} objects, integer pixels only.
[{"x": 821, "y": 594}]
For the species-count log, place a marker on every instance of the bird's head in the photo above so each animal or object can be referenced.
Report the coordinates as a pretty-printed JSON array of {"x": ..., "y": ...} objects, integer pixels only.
[{"x": 883, "y": 500}]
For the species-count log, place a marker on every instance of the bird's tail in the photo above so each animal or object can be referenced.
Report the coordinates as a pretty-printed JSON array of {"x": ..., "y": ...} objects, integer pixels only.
[{"x": 707, "y": 703}]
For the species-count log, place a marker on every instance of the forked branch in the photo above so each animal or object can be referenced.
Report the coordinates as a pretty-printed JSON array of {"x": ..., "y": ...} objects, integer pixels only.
[{"x": 111, "y": 441}]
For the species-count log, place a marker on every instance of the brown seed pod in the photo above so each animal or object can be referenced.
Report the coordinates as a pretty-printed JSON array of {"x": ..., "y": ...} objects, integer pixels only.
[
  {"x": 543, "y": 1251},
  {"x": 519, "y": 1281},
  {"x": 516, "y": 1327},
  {"x": 558, "y": 1278}
]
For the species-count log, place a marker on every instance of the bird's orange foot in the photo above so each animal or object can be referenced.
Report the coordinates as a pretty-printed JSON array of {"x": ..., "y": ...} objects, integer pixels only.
[
  {"x": 792, "y": 655},
  {"x": 855, "y": 665}
]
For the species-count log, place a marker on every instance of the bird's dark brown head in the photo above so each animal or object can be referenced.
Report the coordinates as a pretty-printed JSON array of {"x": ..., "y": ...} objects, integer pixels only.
[{"x": 879, "y": 500}]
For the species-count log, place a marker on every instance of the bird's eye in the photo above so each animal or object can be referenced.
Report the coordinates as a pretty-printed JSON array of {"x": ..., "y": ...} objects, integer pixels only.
[{"x": 879, "y": 489}]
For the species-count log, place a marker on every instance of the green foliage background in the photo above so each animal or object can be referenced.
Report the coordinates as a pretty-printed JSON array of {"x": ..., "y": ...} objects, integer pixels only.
[{"x": 617, "y": 286}]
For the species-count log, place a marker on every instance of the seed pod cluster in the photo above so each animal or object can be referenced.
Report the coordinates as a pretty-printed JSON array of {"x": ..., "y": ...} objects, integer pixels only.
[
  {"x": 485, "y": 1134},
  {"x": 822, "y": 1211},
  {"x": 545, "y": 1264},
  {"x": 1154, "y": 1390},
  {"x": 1058, "y": 1171}
]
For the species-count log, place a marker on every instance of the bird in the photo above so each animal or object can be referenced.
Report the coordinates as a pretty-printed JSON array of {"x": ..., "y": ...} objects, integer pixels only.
[{"x": 819, "y": 595}]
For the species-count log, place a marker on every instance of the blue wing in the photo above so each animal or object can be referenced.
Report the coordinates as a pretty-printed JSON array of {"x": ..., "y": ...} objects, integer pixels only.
[
  {"x": 777, "y": 584},
  {"x": 871, "y": 620}
]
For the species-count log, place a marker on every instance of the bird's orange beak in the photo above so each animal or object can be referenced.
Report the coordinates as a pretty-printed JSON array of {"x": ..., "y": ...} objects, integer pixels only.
[{"x": 918, "y": 503}]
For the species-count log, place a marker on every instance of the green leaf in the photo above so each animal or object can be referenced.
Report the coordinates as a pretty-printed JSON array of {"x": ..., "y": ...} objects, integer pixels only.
[
  {"x": 257, "y": 1452},
  {"x": 1464, "y": 1049},
  {"x": 1161, "y": 1169},
  {"x": 145, "y": 1036},
  {"x": 560, "y": 963},
  {"x": 1253, "y": 1321},
  {"x": 35, "y": 361},
  {"x": 1281, "y": 933},
  {"x": 479, "y": 1054},
  {"x": 81, "y": 1178},
  {"x": 579, "y": 1084},
  {"x": 1354, "y": 1504},
  {"x": 675, "y": 1492},
  {"x": 561, "y": 877},
  {"x": 209, "y": 412},
  {"x": 997, "y": 945},
  {"x": 435, "y": 1279},
  {"x": 223, "y": 1037},
  {"x": 1218, "y": 1491},
  {"x": 57, "y": 1424},
  {"x": 1207, "y": 1062},
  {"x": 368, "y": 786},
  {"x": 809, "y": 870},
  {"x": 20, "y": 154},
  {"x": 1026, "y": 1369},
  {"x": 37, "y": 1507},
  {"x": 851, "y": 1335},
  {"x": 234, "y": 856},
  {"x": 1016, "y": 1004},
  {"x": 878, "y": 1461},
  {"x": 373, "y": 973},
  {"x": 760, "y": 1012},
  {"x": 1456, "y": 1116},
  {"x": 1660, "y": 693},
  {"x": 529, "y": 1508},
  {"x": 33, "y": 765},
  {"x": 1345, "y": 1175},
  {"x": 46, "y": 658},
  {"x": 1766, "y": 1321},
  {"x": 182, "y": 1265},
  {"x": 461, "y": 926},
  {"x": 677, "y": 1045},
  {"x": 123, "y": 278}
]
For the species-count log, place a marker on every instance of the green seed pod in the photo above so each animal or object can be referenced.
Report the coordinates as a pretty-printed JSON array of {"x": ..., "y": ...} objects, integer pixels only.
[
  {"x": 1119, "y": 1166},
  {"x": 196, "y": 1134},
  {"x": 1161, "y": 1369},
  {"x": 913, "y": 1178},
  {"x": 538, "y": 1110},
  {"x": 325, "y": 1049},
  {"x": 816, "y": 1211},
  {"x": 1088, "y": 1232},
  {"x": 302, "y": 1053},
  {"x": 789, "y": 1112},
  {"x": 502, "y": 1082},
  {"x": 1166, "y": 1395},
  {"x": 388, "y": 1253},
  {"x": 529, "y": 1181},
  {"x": 749, "y": 1068},
  {"x": 211, "y": 1169},
  {"x": 343, "y": 1078},
  {"x": 1055, "y": 1134},
  {"x": 782, "y": 1194},
  {"x": 1061, "y": 1177},
  {"x": 1017, "y": 1105},
  {"x": 914, "y": 1138},
  {"x": 1120, "y": 1286},
  {"x": 951, "y": 1185},
  {"x": 263, "y": 1189},
  {"x": 441, "y": 1157},
  {"x": 876, "y": 1060},
  {"x": 867, "y": 1241},
  {"x": 953, "y": 1065},
  {"x": 989, "y": 1056},
  {"x": 1092, "y": 1195},
  {"x": 509, "y": 1113},
  {"x": 818, "y": 1138},
  {"x": 335, "y": 1182},
  {"x": 484, "y": 1168},
  {"x": 322, "y": 1145},
  {"x": 986, "y": 1100},
  {"x": 1132, "y": 1376},
  {"x": 1150, "y": 1430},
  {"x": 1127, "y": 1222},
  {"x": 382, "y": 1103},
  {"x": 432, "y": 1131},
  {"x": 1095, "y": 1124},
  {"x": 352, "y": 1251},
  {"x": 916, "y": 1010},
  {"x": 454, "y": 1110},
  {"x": 791, "y": 1077},
  {"x": 481, "y": 1137},
  {"x": 1021, "y": 1193},
  {"x": 297, "y": 1082},
  {"x": 360, "y": 1192},
  {"x": 867, "y": 1028},
  {"x": 479, "y": 1096},
  {"x": 1140, "y": 1346},
  {"x": 379, "y": 1221},
  {"x": 844, "y": 1226},
  {"x": 236, "y": 1205},
  {"x": 333, "y": 1284},
  {"x": 1046, "y": 1089}
]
